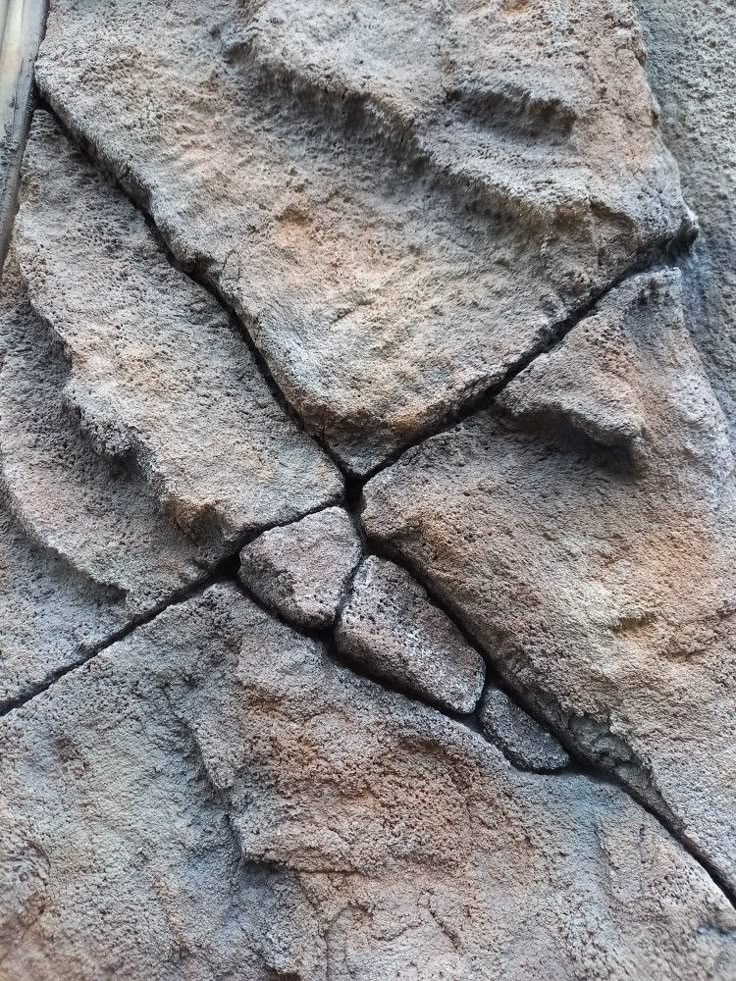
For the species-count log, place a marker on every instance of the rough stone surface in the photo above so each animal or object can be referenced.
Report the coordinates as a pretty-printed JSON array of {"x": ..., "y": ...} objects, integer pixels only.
[
  {"x": 692, "y": 66},
  {"x": 158, "y": 373},
  {"x": 399, "y": 202},
  {"x": 85, "y": 549},
  {"x": 526, "y": 743},
  {"x": 303, "y": 571},
  {"x": 262, "y": 241},
  {"x": 200, "y": 819},
  {"x": 390, "y": 629},
  {"x": 585, "y": 535}
]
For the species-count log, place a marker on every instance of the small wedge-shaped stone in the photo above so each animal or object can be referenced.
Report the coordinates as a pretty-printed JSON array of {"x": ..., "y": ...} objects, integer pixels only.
[
  {"x": 526, "y": 743},
  {"x": 390, "y": 628},
  {"x": 157, "y": 370},
  {"x": 399, "y": 200},
  {"x": 302, "y": 571}
]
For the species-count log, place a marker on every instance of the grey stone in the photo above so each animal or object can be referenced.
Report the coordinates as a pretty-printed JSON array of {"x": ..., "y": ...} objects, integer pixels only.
[
  {"x": 523, "y": 740},
  {"x": 303, "y": 571},
  {"x": 157, "y": 372},
  {"x": 213, "y": 798},
  {"x": 390, "y": 629},
  {"x": 399, "y": 202},
  {"x": 585, "y": 534},
  {"x": 692, "y": 67},
  {"x": 84, "y": 548}
]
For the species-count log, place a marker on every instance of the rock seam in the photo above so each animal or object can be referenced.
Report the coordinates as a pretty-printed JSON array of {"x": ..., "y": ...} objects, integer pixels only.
[{"x": 662, "y": 255}]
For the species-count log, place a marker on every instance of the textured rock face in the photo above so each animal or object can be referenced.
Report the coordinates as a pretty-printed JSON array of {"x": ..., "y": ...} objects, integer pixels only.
[
  {"x": 692, "y": 66},
  {"x": 303, "y": 572},
  {"x": 585, "y": 535},
  {"x": 281, "y": 698},
  {"x": 85, "y": 548},
  {"x": 157, "y": 370},
  {"x": 391, "y": 630},
  {"x": 203, "y": 757},
  {"x": 384, "y": 293}
]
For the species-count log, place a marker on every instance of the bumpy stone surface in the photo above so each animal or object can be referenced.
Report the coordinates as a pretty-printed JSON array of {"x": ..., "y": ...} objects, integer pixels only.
[
  {"x": 279, "y": 231},
  {"x": 303, "y": 571},
  {"x": 586, "y": 537},
  {"x": 692, "y": 66},
  {"x": 200, "y": 820},
  {"x": 85, "y": 549},
  {"x": 399, "y": 201},
  {"x": 390, "y": 629},
  {"x": 157, "y": 370},
  {"x": 526, "y": 743}
]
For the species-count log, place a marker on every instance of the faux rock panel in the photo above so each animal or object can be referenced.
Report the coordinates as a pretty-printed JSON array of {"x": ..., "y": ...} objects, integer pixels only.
[
  {"x": 303, "y": 571},
  {"x": 471, "y": 718},
  {"x": 158, "y": 372},
  {"x": 585, "y": 535},
  {"x": 200, "y": 820},
  {"x": 400, "y": 203},
  {"x": 390, "y": 629}
]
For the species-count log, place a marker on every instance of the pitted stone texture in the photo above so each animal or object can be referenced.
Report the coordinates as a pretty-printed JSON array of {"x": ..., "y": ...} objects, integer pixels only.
[
  {"x": 587, "y": 539},
  {"x": 692, "y": 67},
  {"x": 248, "y": 809},
  {"x": 158, "y": 373},
  {"x": 49, "y": 617},
  {"x": 523, "y": 740},
  {"x": 302, "y": 571},
  {"x": 390, "y": 629},
  {"x": 99, "y": 517},
  {"x": 400, "y": 202},
  {"x": 85, "y": 548}
]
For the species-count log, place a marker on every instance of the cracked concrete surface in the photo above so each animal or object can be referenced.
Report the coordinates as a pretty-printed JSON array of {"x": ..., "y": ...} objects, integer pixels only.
[{"x": 367, "y": 494}]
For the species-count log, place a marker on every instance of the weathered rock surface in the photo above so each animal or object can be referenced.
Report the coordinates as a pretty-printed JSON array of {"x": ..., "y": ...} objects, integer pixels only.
[
  {"x": 200, "y": 820},
  {"x": 585, "y": 536},
  {"x": 400, "y": 203},
  {"x": 275, "y": 220},
  {"x": 523, "y": 740},
  {"x": 102, "y": 552},
  {"x": 158, "y": 373},
  {"x": 302, "y": 571},
  {"x": 390, "y": 629},
  {"x": 692, "y": 66}
]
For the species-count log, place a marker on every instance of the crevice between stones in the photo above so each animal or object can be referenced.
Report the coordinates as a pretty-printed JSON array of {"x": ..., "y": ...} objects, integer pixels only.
[
  {"x": 661, "y": 253},
  {"x": 220, "y": 572}
]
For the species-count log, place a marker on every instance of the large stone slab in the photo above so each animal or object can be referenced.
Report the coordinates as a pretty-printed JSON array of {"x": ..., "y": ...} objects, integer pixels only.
[
  {"x": 585, "y": 534},
  {"x": 158, "y": 374},
  {"x": 213, "y": 797},
  {"x": 399, "y": 202}
]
